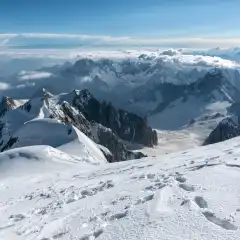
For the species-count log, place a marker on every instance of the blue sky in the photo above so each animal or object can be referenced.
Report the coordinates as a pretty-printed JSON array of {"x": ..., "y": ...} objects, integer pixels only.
[{"x": 139, "y": 19}]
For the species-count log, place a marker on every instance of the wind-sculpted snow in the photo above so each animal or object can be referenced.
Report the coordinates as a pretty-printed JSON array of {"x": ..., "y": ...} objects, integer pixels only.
[
  {"x": 186, "y": 195},
  {"x": 53, "y": 133},
  {"x": 31, "y": 159}
]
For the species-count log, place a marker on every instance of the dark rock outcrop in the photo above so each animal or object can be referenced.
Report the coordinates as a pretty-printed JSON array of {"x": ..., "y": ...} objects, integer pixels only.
[
  {"x": 225, "y": 130},
  {"x": 107, "y": 138},
  {"x": 125, "y": 125},
  {"x": 6, "y": 104},
  {"x": 98, "y": 133}
]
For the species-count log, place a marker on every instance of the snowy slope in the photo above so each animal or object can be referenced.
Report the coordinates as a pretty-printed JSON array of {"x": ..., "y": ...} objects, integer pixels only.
[
  {"x": 30, "y": 124},
  {"x": 64, "y": 137},
  {"x": 32, "y": 159},
  {"x": 186, "y": 195}
]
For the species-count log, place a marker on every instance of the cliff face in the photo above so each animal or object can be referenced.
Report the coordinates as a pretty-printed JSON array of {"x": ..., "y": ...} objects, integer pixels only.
[
  {"x": 97, "y": 132},
  {"x": 6, "y": 104},
  {"x": 127, "y": 126},
  {"x": 225, "y": 130}
]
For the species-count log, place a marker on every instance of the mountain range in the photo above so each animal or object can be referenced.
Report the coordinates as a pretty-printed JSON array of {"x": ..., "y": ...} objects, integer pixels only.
[{"x": 41, "y": 119}]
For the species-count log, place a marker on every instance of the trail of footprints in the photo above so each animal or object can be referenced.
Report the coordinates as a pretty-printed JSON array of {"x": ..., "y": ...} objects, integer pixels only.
[
  {"x": 199, "y": 200},
  {"x": 69, "y": 195},
  {"x": 202, "y": 203},
  {"x": 158, "y": 182},
  {"x": 107, "y": 217}
]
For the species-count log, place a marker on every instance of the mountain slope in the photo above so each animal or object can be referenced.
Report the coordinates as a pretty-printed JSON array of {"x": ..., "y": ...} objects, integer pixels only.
[
  {"x": 53, "y": 133},
  {"x": 127, "y": 126},
  {"x": 165, "y": 196},
  {"x": 209, "y": 96},
  {"x": 225, "y": 130},
  {"x": 39, "y": 158},
  {"x": 103, "y": 123}
]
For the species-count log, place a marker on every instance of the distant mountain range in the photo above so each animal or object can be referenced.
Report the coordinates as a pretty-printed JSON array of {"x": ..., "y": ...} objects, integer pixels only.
[{"x": 170, "y": 89}]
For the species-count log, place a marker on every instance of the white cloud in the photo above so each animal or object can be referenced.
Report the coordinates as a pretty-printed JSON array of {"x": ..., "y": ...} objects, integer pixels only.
[
  {"x": 23, "y": 76},
  {"x": 92, "y": 40},
  {"x": 3, "y": 35},
  {"x": 4, "y": 42},
  {"x": 4, "y": 86}
]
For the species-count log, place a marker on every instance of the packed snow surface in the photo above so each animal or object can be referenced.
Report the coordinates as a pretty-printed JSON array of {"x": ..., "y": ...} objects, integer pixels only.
[
  {"x": 64, "y": 137},
  {"x": 186, "y": 195}
]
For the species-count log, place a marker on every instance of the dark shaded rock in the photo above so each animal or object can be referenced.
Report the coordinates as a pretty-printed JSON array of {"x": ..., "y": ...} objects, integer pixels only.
[
  {"x": 225, "y": 130},
  {"x": 125, "y": 125},
  {"x": 98, "y": 133},
  {"x": 118, "y": 149},
  {"x": 27, "y": 106},
  {"x": 9, "y": 144},
  {"x": 6, "y": 104},
  {"x": 107, "y": 154}
]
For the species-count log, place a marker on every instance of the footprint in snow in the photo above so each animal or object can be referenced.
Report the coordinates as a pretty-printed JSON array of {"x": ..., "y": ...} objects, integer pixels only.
[
  {"x": 6, "y": 226},
  {"x": 181, "y": 179},
  {"x": 201, "y": 202},
  {"x": 93, "y": 235},
  {"x": 101, "y": 187},
  {"x": 148, "y": 176},
  {"x": 17, "y": 217},
  {"x": 155, "y": 187},
  {"x": 122, "y": 198},
  {"x": 223, "y": 223},
  {"x": 145, "y": 199},
  {"x": 211, "y": 217},
  {"x": 187, "y": 187},
  {"x": 118, "y": 216}
]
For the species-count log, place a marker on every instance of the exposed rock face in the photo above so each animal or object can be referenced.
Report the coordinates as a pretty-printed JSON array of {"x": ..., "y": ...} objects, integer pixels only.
[
  {"x": 225, "y": 130},
  {"x": 104, "y": 124},
  {"x": 98, "y": 133},
  {"x": 107, "y": 138},
  {"x": 125, "y": 125},
  {"x": 69, "y": 115},
  {"x": 6, "y": 104}
]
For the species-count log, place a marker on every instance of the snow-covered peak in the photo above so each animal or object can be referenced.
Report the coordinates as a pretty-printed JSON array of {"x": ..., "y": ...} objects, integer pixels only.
[
  {"x": 82, "y": 96},
  {"x": 42, "y": 92},
  {"x": 53, "y": 133}
]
